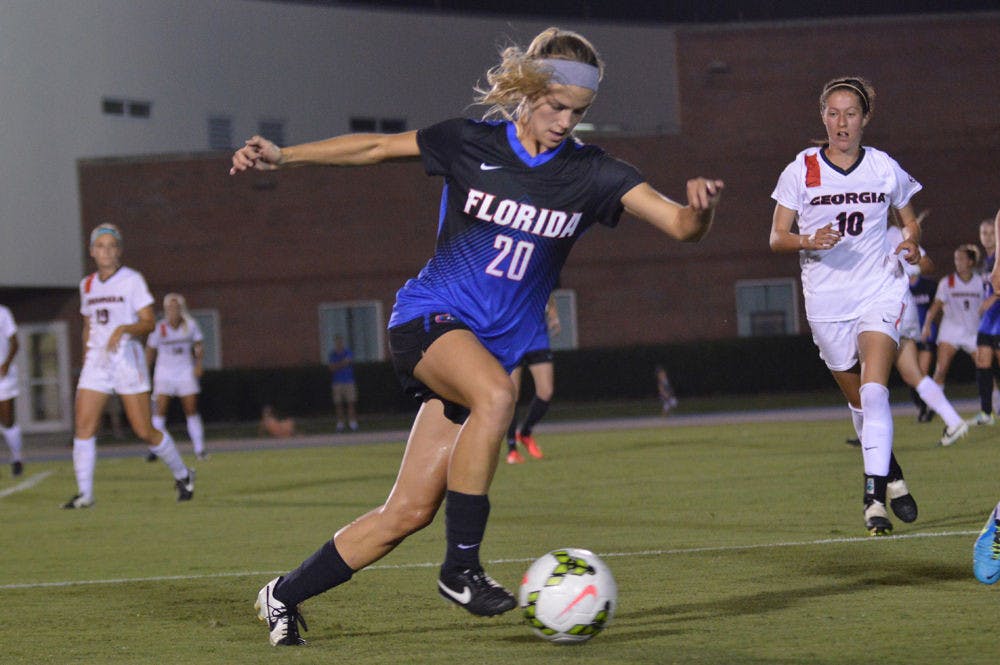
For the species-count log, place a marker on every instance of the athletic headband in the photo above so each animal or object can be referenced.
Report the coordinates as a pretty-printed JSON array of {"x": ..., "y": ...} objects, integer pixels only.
[
  {"x": 101, "y": 230},
  {"x": 573, "y": 72},
  {"x": 856, "y": 88}
]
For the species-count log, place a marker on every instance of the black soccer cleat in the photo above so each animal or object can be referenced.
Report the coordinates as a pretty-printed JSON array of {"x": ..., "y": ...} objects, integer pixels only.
[
  {"x": 151, "y": 456},
  {"x": 475, "y": 591},
  {"x": 16, "y": 468},
  {"x": 903, "y": 505},
  {"x": 877, "y": 520},
  {"x": 185, "y": 487}
]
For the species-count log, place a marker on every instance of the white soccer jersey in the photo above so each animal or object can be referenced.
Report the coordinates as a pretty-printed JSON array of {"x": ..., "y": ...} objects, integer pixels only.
[
  {"x": 8, "y": 328},
  {"x": 840, "y": 283},
  {"x": 961, "y": 300},
  {"x": 111, "y": 303},
  {"x": 174, "y": 349}
]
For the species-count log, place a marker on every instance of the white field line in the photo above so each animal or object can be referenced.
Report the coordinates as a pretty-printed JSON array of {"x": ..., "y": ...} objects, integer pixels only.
[
  {"x": 406, "y": 566},
  {"x": 25, "y": 484}
]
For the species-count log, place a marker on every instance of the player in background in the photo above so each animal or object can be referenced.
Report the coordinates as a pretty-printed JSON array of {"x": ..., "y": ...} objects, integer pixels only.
[
  {"x": 840, "y": 194},
  {"x": 922, "y": 289},
  {"x": 539, "y": 362},
  {"x": 343, "y": 389},
  {"x": 664, "y": 390},
  {"x": 958, "y": 302},
  {"x": 988, "y": 333},
  {"x": 519, "y": 191},
  {"x": 9, "y": 390},
  {"x": 986, "y": 551},
  {"x": 117, "y": 311},
  {"x": 174, "y": 350},
  {"x": 907, "y": 362}
]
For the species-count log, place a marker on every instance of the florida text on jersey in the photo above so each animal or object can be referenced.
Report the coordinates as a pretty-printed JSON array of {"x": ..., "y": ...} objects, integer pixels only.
[
  {"x": 507, "y": 222},
  {"x": 838, "y": 283}
]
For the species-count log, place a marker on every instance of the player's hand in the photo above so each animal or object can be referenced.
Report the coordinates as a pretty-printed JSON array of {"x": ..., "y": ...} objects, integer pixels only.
[
  {"x": 995, "y": 278},
  {"x": 116, "y": 336},
  {"x": 704, "y": 193},
  {"x": 824, "y": 238},
  {"x": 910, "y": 251},
  {"x": 257, "y": 153}
]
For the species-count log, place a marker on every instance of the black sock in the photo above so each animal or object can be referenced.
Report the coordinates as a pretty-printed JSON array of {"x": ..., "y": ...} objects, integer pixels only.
[
  {"x": 511, "y": 431},
  {"x": 895, "y": 472},
  {"x": 465, "y": 523},
  {"x": 536, "y": 411},
  {"x": 984, "y": 381},
  {"x": 921, "y": 404},
  {"x": 875, "y": 489},
  {"x": 321, "y": 572}
]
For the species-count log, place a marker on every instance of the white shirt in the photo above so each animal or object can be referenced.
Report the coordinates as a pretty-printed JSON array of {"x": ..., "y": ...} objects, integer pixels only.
[
  {"x": 840, "y": 283},
  {"x": 961, "y": 302},
  {"x": 174, "y": 348},
  {"x": 8, "y": 328},
  {"x": 112, "y": 303}
]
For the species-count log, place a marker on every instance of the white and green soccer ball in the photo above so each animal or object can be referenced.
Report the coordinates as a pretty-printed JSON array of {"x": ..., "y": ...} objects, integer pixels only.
[{"x": 568, "y": 596}]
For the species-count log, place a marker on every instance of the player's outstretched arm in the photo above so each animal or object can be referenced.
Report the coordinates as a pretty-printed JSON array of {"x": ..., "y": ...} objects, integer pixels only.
[
  {"x": 687, "y": 223},
  {"x": 346, "y": 150}
]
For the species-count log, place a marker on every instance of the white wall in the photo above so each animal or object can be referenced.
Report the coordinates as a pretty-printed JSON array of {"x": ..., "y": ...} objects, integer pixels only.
[{"x": 312, "y": 67}]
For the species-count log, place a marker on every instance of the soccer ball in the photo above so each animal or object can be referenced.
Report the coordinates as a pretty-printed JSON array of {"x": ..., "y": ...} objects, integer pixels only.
[{"x": 568, "y": 596}]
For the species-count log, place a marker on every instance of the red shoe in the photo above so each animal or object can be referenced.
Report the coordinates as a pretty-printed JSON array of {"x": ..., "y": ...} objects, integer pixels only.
[
  {"x": 514, "y": 457},
  {"x": 528, "y": 442}
]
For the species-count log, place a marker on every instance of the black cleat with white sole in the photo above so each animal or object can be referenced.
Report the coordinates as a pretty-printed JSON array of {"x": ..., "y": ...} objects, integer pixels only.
[
  {"x": 902, "y": 503},
  {"x": 475, "y": 591}
]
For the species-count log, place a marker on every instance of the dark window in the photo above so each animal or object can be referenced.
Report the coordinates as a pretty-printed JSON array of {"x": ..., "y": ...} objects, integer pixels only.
[
  {"x": 139, "y": 109},
  {"x": 220, "y": 132},
  {"x": 363, "y": 125},
  {"x": 113, "y": 106},
  {"x": 392, "y": 125},
  {"x": 273, "y": 130}
]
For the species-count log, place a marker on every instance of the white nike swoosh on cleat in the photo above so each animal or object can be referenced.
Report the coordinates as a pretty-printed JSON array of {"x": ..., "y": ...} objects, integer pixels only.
[
  {"x": 461, "y": 598},
  {"x": 483, "y": 166}
]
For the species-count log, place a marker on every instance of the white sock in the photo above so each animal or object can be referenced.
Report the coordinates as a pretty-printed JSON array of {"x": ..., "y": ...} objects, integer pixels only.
[
  {"x": 996, "y": 401},
  {"x": 858, "y": 418},
  {"x": 167, "y": 452},
  {"x": 933, "y": 395},
  {"x": 84, "y": 461},
  {"x": 160, "y": 423},
  {"x": 196, "y": 430},
  {"x": 876, "y": 435},
  {"x": 14, "y": 441}
]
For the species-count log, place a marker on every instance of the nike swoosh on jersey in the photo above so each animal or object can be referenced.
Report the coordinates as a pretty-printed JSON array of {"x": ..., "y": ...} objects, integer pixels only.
[
  {"x": 461, "y": 598},
  {"x": 483, "y": 166}
]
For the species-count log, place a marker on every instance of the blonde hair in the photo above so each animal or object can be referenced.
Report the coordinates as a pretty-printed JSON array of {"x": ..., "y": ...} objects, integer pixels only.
[
  {"x": 186, "y": 317},
  {"x": 519, "y": 77}
]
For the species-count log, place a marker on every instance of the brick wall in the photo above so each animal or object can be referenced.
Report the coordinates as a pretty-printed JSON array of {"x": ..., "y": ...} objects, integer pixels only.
[{"x": 266, "y": 249}]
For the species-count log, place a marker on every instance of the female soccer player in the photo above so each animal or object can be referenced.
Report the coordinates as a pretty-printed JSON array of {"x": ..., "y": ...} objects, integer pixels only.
[
  {"x": 9, "y": 390},
  {"x": 539, "y": 362},
  {"x": 519, "y": 191},
  {"x": 840, "y": 193},
  {"x": 907, "y": 361},
  {"x": 988, "y": 334},
  {"x": 117, "y": 311},
  {"x": 958, "y": 301},
  {"x": 174, "y": 349}
]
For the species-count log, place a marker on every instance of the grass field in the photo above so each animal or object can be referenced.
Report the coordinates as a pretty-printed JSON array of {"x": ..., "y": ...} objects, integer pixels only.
[{"x": 730, "y": 544}]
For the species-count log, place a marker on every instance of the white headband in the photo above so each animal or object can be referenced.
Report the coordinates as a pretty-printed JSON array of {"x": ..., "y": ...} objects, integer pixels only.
[{"x": 573, "y": 72}]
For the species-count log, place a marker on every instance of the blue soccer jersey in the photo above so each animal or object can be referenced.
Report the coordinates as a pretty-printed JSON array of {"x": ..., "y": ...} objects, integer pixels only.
[
  {"x": 990, "y": 323},
  {"x": 508, "y": 221},
  {"x": 923, "y": 290}
]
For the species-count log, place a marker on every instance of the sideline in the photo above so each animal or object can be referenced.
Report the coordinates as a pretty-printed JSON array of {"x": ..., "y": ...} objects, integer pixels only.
[
  {"x": 26, "y": 484},
  {"x": 406, "y": 566}
]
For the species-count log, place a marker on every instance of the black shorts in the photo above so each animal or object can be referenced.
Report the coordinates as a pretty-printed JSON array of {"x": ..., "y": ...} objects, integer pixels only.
[
  {"x": 537, "y": 357},
  {"x": 926, "y": 346},
  {"x": 407, "y": 344},
  {"x": 984, "y": 339}
]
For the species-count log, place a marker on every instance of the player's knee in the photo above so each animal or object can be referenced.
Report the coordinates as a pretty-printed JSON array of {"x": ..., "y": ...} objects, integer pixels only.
[
  {"x": 496, "y": 402},
  {"x": 402, "y": 520}
]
